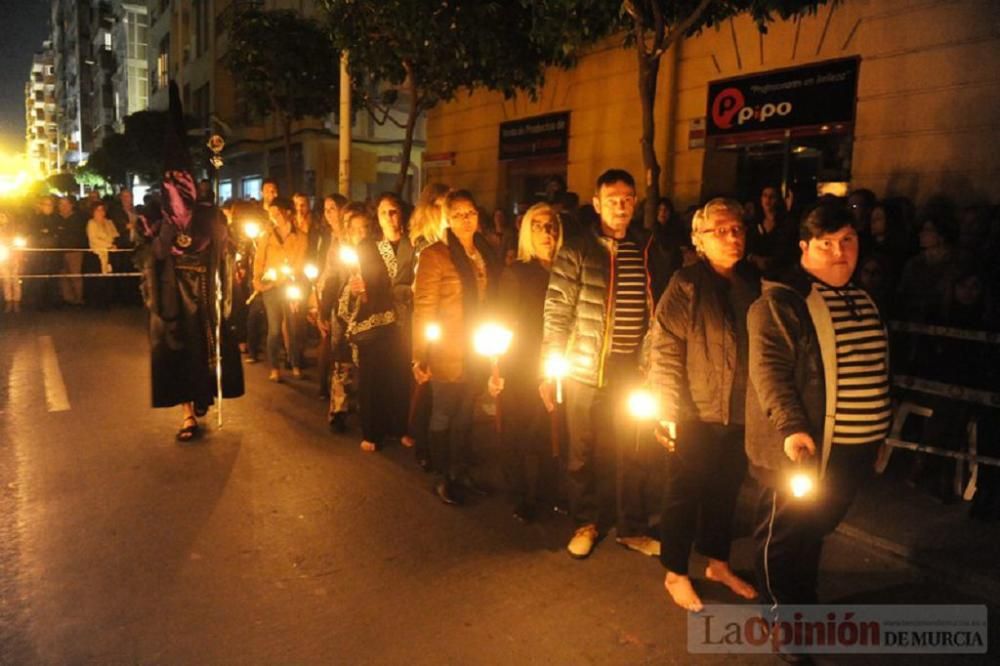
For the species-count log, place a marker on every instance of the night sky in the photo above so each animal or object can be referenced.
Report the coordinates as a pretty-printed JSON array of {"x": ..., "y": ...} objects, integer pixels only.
[{"x": 25, "y": 26}]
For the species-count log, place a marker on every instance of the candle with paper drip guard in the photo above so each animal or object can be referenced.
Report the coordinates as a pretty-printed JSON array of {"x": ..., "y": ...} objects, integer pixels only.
[
  {"x": 802, "y": 482},
  {"x": 349, "y": 257},
  {"x": 492, "y": 341},
  {"x": 643, "y": 407},
  {"x": 557, "y": 367}
]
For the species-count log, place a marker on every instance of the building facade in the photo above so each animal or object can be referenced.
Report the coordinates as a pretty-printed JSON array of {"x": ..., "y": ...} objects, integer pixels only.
[
  {"x": 898, "y": 97},
  {"x": 72, "y": 63},
  {"x": 42, "y": 132},
  {"x": 187, "y": 43}
]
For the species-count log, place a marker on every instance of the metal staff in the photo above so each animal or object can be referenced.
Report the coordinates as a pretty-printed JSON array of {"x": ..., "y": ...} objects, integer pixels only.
[
  {"x": 215, "y": 145},
  {"x": 492, "y": 341}
]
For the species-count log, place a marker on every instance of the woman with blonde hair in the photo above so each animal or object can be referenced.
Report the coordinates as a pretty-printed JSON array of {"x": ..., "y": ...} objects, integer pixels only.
[
  {"x": 427, "y": 227},
  {"x": 527, "y": 428},
  {"x": 427, "y": 222}
]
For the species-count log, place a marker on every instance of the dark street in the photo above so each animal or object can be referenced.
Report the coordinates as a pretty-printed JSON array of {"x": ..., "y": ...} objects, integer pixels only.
[{"x": 273, "y": 541}]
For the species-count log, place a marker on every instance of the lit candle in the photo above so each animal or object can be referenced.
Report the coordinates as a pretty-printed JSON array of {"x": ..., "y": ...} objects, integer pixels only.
[
  {"x": 557, "y": 367},
  {"x": 251, "y": 230}
]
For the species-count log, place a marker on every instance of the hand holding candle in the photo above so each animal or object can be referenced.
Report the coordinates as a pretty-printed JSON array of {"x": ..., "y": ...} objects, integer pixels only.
[
  {"x": 643, "y": 407},
  {"x": 556, "y": 367},
  {"x": 493, "y": 341}
]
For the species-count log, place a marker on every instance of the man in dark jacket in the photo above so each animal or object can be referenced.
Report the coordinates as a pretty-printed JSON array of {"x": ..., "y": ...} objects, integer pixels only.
[
  {"x": 818, "y": 402},
  {"x": 597, "y": 311}
]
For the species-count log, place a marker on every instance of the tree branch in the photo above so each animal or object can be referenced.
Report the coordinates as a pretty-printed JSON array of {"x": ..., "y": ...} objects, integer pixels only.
[{"x": 684, "y": 26}]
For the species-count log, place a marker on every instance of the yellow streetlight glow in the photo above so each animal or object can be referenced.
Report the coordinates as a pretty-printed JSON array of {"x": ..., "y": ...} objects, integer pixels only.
[
  {"x": 492, "y": 340},
  {"x": 20, "y": 242},
  {"x": 239, "y": 257},
  {"x": 4, "y": 253},
  {"x": 293, "y": 292},
  {"x": 432, "y": 333},
  {"x": 270, "y": 275},
  {"x": 311, "y": 271},
  {"x": 642, "y": 405},
  {"x": 251, "y": 230}
]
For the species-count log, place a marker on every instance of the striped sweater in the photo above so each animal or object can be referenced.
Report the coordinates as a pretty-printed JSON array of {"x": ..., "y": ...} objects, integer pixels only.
[
  {"x": 863, "y": 412},
  {"x": 631, "y": 313}
]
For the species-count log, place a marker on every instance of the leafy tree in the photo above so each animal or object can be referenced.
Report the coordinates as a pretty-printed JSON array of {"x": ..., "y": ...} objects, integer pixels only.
[
  {"x": 139, "y": 150},
  {"x": 62, "y": 182},
  {"x": 653, "y": 26},
  {"x": 90, "y": 179},
  {"x": 430, "y": 51},
  {"x": 283, "y": 65}
]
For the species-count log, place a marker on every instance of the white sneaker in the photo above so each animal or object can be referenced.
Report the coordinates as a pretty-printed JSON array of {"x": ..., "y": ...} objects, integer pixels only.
[
  {"x": 582, "y": 543},
  {"x": 641, "y": 544}
]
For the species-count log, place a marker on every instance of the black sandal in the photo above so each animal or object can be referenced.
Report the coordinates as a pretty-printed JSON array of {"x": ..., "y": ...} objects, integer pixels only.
[{"x": 189, "y": 431}]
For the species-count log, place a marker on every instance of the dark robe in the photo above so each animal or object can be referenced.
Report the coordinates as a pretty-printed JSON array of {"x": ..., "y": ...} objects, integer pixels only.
[{"x": 179, "y": 289}]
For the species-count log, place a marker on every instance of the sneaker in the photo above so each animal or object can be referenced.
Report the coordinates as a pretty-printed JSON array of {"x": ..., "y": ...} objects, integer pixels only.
[
  {"x": 274, "y": 376},
  {"x": 582, "y": 543},
  {"x": 641, "y": 544}
]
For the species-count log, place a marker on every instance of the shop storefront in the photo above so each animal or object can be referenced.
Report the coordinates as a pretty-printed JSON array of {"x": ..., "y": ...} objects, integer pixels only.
[
  {"x": 790, "y": 128},
  {"x": 533, "y": 157}
]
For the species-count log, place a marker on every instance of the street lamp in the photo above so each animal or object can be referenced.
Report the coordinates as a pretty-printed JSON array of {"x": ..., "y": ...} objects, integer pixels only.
[
  {"x": 20, "y": 242},
  {"x": 293, "y": 293},
  {"x": 311, "y": 271}
]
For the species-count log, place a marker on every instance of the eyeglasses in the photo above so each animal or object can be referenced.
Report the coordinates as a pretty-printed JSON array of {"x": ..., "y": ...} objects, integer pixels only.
[
  {"x": 736, "y": 231},
  {"x": 547, "y": 227}
]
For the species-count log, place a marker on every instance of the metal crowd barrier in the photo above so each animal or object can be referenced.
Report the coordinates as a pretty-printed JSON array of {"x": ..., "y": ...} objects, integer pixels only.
[
  {"x": 955, "y": 392},
  {"x": 22, "y": 249}
]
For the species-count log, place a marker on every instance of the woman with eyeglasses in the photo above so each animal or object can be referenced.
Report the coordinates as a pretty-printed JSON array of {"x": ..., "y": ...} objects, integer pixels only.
[
  {"x": 698, "y": 366},
  {"x": 527, "y": 428}
]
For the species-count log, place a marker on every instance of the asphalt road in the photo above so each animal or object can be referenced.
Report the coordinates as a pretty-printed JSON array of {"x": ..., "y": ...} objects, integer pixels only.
[{"x": 274, "y": 542}]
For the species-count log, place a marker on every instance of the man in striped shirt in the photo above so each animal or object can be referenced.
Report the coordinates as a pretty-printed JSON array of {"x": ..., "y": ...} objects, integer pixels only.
[
  {"x": 818, "y": 404},
  {"x": 597, "y": 311}
]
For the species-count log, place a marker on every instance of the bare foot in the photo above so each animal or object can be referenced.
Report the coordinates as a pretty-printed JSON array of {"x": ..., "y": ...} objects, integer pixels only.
[
  {"x": 682, "y": 592},
  {"x": 408, "y": 441},
  {"x": 721, "y": 573}
]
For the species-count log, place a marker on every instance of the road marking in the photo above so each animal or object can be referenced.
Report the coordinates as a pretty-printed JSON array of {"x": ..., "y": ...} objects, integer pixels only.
[{"x": 55, "y": 388}]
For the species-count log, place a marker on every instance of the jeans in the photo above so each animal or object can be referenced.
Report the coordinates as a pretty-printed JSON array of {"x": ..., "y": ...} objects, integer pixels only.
[
  {"x": 604, "y": 463},
  {"x": 451, "y": 421},
  {"x": 277, "y": 309}
]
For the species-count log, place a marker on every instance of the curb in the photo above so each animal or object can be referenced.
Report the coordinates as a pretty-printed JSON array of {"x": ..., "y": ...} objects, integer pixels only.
[{"x": 971, "y": 583}]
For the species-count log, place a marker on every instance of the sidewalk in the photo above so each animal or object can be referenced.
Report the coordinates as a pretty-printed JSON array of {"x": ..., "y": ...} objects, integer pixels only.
[{"x": 939, "y": 538}]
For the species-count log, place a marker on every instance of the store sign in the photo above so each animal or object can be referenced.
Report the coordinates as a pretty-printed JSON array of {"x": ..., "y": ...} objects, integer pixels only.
[
  {"x": 696, "y": 133},
  {"x": 438, "y": 160},
  {"x": 819, "y": 94},
  {"x": 535, "y": 137}
]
